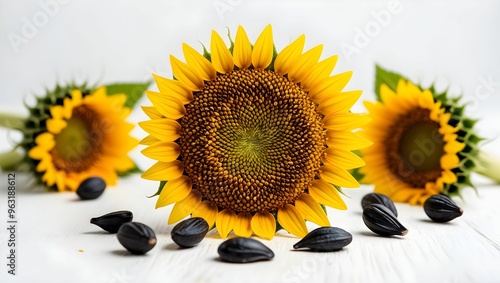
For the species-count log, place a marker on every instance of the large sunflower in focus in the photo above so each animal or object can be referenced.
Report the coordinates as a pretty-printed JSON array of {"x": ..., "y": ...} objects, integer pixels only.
[
  {"x": 73, "y": 135},
  {"x": 422, "y": 143},
  {"x": 246, "y": 138}
]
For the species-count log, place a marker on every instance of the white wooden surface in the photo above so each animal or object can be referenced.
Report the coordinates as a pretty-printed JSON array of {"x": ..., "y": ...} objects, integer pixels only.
[{"x": 56, "y": 243}]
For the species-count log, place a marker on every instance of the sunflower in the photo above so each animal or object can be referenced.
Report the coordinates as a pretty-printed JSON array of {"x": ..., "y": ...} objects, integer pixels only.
[
  {"x": 74, "y": 134},
  {"x": 247, "y": 138},
  {"x": 422, "y": 143}
]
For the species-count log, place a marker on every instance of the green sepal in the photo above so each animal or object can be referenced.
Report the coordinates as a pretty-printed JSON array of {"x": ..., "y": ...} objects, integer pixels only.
[
  {"x": 160, "y": 188},
  {"x": 134, "y": 170},
  {"x": 383, "y": 76},
  {"x": 133, "y": 91}
]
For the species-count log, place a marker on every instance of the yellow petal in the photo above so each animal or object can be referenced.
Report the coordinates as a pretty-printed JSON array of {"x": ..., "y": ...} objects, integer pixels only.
[
  {"x": 221, "y": 57},
  {"x": 186, "y": 74},
  {"x": 151, "y": 112},
  {"x": 426, "y": 100},
  {"x": 311, "y": 210},
  {"x": 302, "y": 67},
  {"x": 242, "y": 51},
  {"x": 199, "y": 63},
  {"x": 56, "y": 112},
  {"x": 338, "y": 176},
  {"x": 67, "y": 108},
  {"x": 340, "y": 102},
  {"x": 44, "y": 164},
  {"x": 343, "y": 158},
  {"x": 346, "y": 140},
  {"x": 285, "y": 59},
  {"x": 168, "y": 106},
  {"x": 454, "y": 147},
  {"x": 162, "y": 129},
  {"x": 149, "y": 140},
  {"x": 164, "y": 171},
  {"x": 345, "y": 121},
  {"x": 262, "y": 53},
  {"x": 76, "y": 97},
  {"x": 448, "y": 177},
  {"x": 322, "y": 70},
  {"x": 206, "y": 210},
  {"x": 263, "y": 225},
  {"x": 55, "y": 126},
  {"x": 37, "y": 153},
  {"x": 243, "y": 227},
  {"x": 45, "y": 141},
  {"x": 225, "y": 221},
  {"x": 449, "y": 161},
  {"x": 184, "y": 207},
  {"x": 174, "y": 89},
  {"x": 174, "y": 190},
  {"x": 330, "y": 86},
  {"x": 292, "y": 221},
  {"x": 326, "y": 194},
  {"x": 163, "y": 151}
]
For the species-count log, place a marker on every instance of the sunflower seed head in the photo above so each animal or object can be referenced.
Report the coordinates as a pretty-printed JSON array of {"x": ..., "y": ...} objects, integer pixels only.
[
  {"x": 441, "y": 208},
  {"x": 190, "y": 232},
  {"x": 380, "y": 199},
  {"x": 111, "y": 222},
  {"x": 136, "y": 237},
  {"x": 243, "y": 250},
  {"x": 325, "y": 239},
  {"x": 382, "y": 221}
]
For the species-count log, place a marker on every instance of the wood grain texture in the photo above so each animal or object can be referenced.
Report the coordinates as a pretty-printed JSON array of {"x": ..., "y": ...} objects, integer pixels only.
[{"x": 53, "y": 228}]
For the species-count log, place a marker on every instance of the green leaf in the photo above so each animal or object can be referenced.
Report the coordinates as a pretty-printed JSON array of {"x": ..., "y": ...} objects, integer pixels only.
[
  {"x": 160, "y": 188},
  {"x": 133, "y": 170},
  {"x": 133, "y": 91},
  {"x": 383, "y": 76}
]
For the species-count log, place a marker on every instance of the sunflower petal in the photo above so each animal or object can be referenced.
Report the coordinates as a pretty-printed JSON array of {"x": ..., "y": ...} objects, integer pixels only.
[
  {"x": 448, "y": 177},
  {"x": 162, "y": 151},
  {"x": 322, "y": 70},
  {"x": 55, "y": 126},
  {"x": 263, "y": 225},
  {"x": 285, "y": 59},
  {"x": 186, "y": 74},
  {"x": 173, "y": 88},
  {"x": 346, "y": 140},
  {"x": 151, "y": 111},
  {"x": 311, "y": 210},
  {"x": 206, "y": 210},
  {"x": 222, "y": 60},
  {"x": 149, "y": 140},
  {"x": 262, "y": 53},
  {"x": 45, "y": 141},
  {"x": 292, "y": 221},
  {"x": 76, "y": 97},
  {"x": 162, "y": 171},
  {"x": 184, "y": 207},
  {"x": 37, "y": 153},
  {"x": 329, "y": 86},
  {"x": 242, "y": 51},
  {"x": 345, "y": 121},
  {"x": 200, "y": 64},
  {"x": 167, "y": 106},
  {"x": 343, "y": 158},
  {"x": 162, "y": 129},
  {"x": 454, "y": 147},
  {"x": 449, "y": 161},
  {"x": 225, "y": 221},
  {"x": 340, "y": 102},
  {"x": 174, "y": 190},
  {"x": 243, "y": 227},
  {"x": 302, "y": 67},
  {"x": 338, "y": 176},
  {"x": 326, "y": 194}
]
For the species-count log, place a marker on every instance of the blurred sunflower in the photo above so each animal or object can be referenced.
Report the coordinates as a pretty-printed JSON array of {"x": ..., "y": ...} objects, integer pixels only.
[
  {"x": 247, "y": 138},
  {"x": 74, "y": 133},
  {"x": 423, "y": 144}
]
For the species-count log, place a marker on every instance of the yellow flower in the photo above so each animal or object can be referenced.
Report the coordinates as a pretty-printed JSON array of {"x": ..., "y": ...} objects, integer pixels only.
[
  {"x": 245, "y": 138},
  {"x": 85, "y": 136},
  {"x": 418, "y": 144}
]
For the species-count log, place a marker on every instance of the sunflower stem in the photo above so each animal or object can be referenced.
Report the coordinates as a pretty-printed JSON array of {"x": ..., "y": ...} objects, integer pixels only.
[
  {"x": 11, "y": 121},
  {"x": 489, "y": 166},
  {"x": 10, "y": 159}
]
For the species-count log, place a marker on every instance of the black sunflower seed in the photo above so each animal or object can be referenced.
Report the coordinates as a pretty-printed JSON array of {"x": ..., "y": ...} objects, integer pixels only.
[
  {"x": 190, "y": 232},
  {"x": 380, "y": 199},
  {"x": 325, "y": 239},
  {"x": 136, "y": 237},
  {"x": 382, "y": 221},
  {"x": 111, "y": 222},
  {"x": 91, "y": 188},
  {"x": 441, "y": 208},
  {"x": 242, "y": 250}
]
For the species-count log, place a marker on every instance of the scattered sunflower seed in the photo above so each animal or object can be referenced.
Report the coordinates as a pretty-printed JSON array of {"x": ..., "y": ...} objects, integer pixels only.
[
  {"x": 325, "y": 239},
  {"x": 190, "y": 232},
  {"x": 136, "y": 237},
  {"x": 111, "y": 222},
  {"x": 91, "y": 188},
  {"x": 382, "y": 221},
  {"x": 380, "y": 199},
  {"x": 243, "y": 250},
  {"x": 441, "y": 208}
]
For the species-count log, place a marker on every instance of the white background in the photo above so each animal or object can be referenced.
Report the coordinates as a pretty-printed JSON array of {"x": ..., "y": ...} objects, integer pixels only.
[{"x": 455, "y": 43}]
